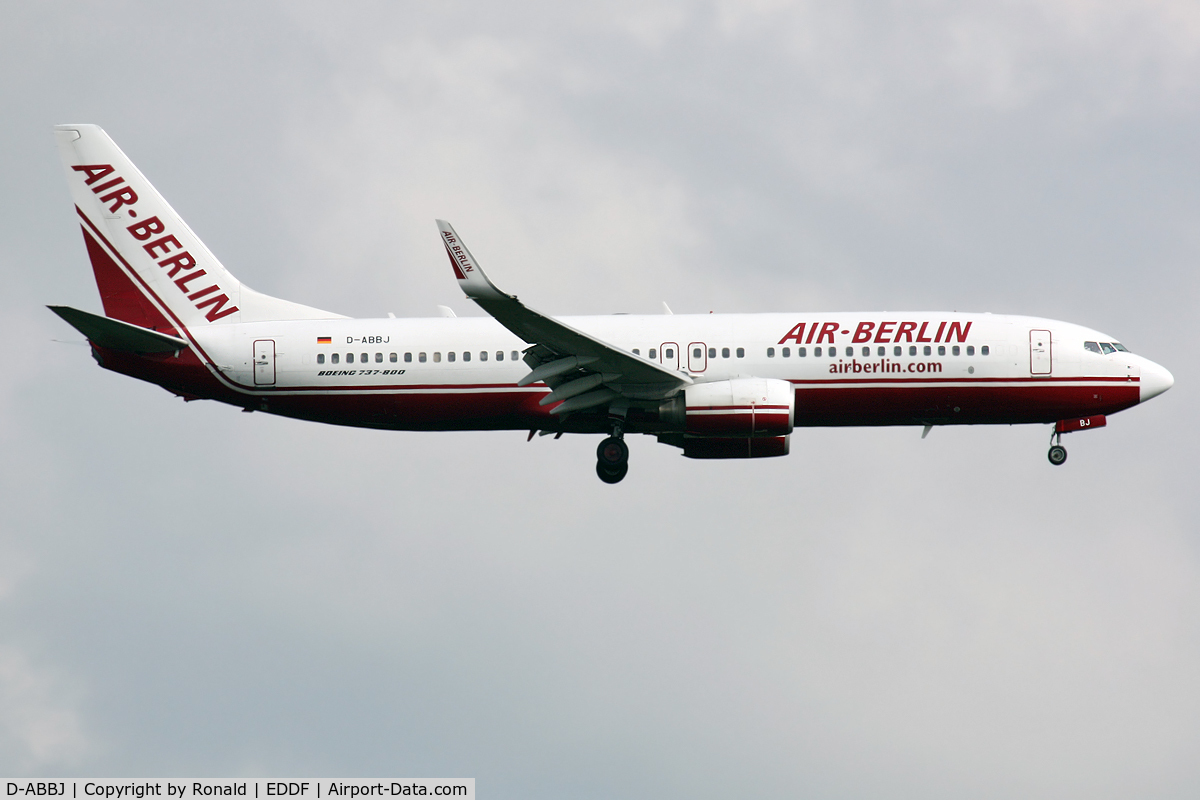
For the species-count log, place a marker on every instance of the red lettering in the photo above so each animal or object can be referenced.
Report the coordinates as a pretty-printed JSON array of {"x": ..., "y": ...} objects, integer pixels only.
[
  {"x": 145, "y": 229},
  {"x": 906, "y": 330},
  {"x": 885, "y": 329},
  {"x": 217, "y": 303},
  {"x": 796, "y": 334},
  {"x": 94, "y": 171},
  {"x": 186, "y": 279},
  {"x": 863, "y": 333},
  {"x": 122, "y": 197},
  {"x": 109, "y": 185},
  {"x": 828, "y": 329},
  {"x": 921, "y": 337},
  {"x": 941, "y": 328},
  {"x": 163, "y": 244},
  {"x": 202, "y": 292},
  {"x": 956, "y": 329},
  {"x": 178, "y": 261}
]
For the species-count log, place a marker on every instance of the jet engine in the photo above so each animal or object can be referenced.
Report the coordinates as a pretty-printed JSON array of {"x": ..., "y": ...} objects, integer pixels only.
[{"x": 738, "y": 418}]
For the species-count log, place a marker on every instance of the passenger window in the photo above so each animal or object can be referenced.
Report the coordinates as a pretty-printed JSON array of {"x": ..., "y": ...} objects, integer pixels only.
[
  {"x": 483, "y": 355},
  {"x": 897, "y": 350},
  {"x": 334, "y": 358},
  {"x": 320, "y": 358},
  {"x": 770, "y": 352},
  {"x": 437, "y": 358},
  {"x": 637, "y": 352},
  {"x": 881, "y": 351},
  {"x": 466, "y": 355},
  {"x": 985, "y": 350},
  {"x": 421, "y": 357},
  {"x": 408, "y": 358},
  {"x": 817, "y": 352},
  {"x": 392, "y": 357},
  {"x": 499, "y": 355},
  {"x": 514, "y": 355},
  {"x": 379, "y": 358},
  {"x": 787, "y": 352},
  {"x": 849, "y": 352},
  {"x": 364, "y": 358},
  {"x": 698, "y": 352},
  {"x": 653, "y": 353},
  {"x": 928, "y": 350},
  {"x": 741, "y": 352},
  {"x": 970, "y": 349},
  {"x": 801, "y": 352},
  {"x": 941, "y": 349},
  {"x": 866, "y": 352},
  {"x": 669, "y": 352},
  {"x": 1107, "y": 348},
  {"x": 912, "y": 350},
  {"x": 349, "y": 358},
  {"x": 954, "y": 350},
  {"x": 450, "y": 356},
  {"x": 724, "y": 352},
  {"x": 1091, "y": 347},
  {"x": 712, "y": 352}
]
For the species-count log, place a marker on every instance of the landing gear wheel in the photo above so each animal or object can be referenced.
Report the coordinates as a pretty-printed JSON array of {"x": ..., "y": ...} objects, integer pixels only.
[
  {"x": 612, "y": 453},
  {"x": 1057, "y": 455},
  {"x": 611, "y": 474}
]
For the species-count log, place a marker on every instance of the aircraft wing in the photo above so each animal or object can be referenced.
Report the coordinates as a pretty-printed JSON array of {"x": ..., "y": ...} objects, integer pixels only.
[{"x": 583, "y": 371}]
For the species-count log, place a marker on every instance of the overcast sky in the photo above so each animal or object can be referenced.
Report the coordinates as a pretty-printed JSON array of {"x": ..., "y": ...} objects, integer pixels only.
[{"x": 186, "y": 590}]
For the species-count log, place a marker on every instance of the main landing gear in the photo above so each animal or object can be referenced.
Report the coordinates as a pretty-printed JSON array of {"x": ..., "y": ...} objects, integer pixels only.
[
  {"x": 1058, "y": 453},
  {"x": 612, "y": 457}
]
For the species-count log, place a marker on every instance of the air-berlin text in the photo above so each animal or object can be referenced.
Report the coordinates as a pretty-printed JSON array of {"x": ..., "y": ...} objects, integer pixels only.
[
  {"x": 159, "y": 244},
  {"x": 458, "y": 257},
  {"x": 884, "y": 332}
]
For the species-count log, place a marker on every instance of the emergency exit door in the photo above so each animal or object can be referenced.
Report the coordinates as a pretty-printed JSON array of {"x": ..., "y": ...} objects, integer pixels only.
[
  {"x": 264, "y": 362},
  {"x": 1040, "y": 354},
  {"x": 668, "y": 355}
]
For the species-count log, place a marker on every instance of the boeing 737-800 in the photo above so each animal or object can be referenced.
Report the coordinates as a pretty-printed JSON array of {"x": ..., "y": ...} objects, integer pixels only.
[{"x": 713, "y": 385}]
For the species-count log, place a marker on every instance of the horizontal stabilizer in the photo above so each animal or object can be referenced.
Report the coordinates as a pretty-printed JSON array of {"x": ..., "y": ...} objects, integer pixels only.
[{"x": 117, "y": 335}]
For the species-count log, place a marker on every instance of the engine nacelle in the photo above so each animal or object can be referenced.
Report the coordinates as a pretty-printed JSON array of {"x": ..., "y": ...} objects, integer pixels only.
[
  {"x": 743, "y": 447},
  {"x": 737, "y": 408}
]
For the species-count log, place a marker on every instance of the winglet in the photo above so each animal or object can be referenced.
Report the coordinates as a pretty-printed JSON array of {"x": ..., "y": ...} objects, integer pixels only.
[{"x": 471, "y": 278}]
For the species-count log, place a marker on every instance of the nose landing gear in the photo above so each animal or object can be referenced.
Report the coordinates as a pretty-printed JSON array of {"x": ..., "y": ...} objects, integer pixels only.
[
  {"x": 612, "y": 457},
  {"x": 1058, "y": 453}
]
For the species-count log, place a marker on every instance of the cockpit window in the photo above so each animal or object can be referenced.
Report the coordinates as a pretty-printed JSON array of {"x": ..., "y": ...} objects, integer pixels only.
[
  {"x": 1107, "y": 348},
  {"x": 1120, "y": 347},
  {"x": 1091, "y": 347}
]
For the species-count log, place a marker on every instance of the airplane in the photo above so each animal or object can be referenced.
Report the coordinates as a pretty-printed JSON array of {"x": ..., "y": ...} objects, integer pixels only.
[{"x": 716, "y": 386}]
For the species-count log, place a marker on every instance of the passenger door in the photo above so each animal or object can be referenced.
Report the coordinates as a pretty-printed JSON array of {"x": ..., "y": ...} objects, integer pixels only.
[
  {"x": 1041, "y": 355},
  {"x": 264, "y": 362},
  {"x": 697, "y": 357}
]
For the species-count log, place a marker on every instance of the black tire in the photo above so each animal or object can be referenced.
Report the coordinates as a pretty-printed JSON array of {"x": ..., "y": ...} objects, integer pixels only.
[
  {"x": 612, "y": 452},
  {"x": 611, "y": 474},
  {"x": 1057, "y": 455}
]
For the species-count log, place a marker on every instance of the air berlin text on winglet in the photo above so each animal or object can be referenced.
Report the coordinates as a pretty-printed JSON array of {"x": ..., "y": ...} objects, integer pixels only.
[
  {"x": 178, "y": 260},
  {"x": 458, "y": 259},
  {"x": 878, "y": 332}
]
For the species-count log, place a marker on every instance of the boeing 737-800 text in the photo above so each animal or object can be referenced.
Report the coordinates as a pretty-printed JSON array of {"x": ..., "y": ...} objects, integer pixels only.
[{"x": 713, "y": 385}]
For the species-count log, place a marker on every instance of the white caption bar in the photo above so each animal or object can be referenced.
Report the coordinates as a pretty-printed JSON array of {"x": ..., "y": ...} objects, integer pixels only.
[{"x": 463, "y": 788}]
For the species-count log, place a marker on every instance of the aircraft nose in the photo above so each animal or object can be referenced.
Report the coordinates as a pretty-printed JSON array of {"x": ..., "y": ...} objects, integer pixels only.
[{"x": 1155, "y": 380}]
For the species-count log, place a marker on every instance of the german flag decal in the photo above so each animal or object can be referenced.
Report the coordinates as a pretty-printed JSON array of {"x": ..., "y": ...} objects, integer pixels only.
[{"x": 324, "y": 340}]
